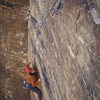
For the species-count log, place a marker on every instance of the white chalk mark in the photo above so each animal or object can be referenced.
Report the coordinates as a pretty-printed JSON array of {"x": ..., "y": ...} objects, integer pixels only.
[
  {"x": 52, "y": 44},
  {"x": 71, "y": 52},
  {"x": 81, "y": 40},
  {"x": 95, "y": 16}
]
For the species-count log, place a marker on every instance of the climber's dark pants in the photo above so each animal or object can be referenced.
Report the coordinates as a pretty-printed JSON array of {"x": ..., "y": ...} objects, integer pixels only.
[{"x": 36, "y": 90}]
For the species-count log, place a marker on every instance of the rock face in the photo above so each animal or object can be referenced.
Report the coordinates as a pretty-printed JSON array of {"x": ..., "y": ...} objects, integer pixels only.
[
  {"x": 66, "y": 48},
  {"x": 13, "y": 48}
]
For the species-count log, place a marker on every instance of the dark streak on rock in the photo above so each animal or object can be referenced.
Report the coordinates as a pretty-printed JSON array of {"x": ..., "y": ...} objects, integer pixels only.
[
  {"x": 8, "y": 4},
  {"x": 89, "y": 90},
  {"x": 33, "y": 20},
  {"x": 46, "y": 81},
  {"x": 43, "y": 68}
]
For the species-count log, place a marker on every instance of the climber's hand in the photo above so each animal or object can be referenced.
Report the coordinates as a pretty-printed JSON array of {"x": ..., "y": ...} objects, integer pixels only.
[{"x": 39, "y": 80}]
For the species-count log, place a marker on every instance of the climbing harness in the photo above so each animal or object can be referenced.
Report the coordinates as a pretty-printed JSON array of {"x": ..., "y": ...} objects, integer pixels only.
[{"x": 26, "y": 85}]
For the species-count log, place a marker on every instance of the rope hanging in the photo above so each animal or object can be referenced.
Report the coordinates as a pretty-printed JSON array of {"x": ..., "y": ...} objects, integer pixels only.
[{"x": 59, "y": 7}]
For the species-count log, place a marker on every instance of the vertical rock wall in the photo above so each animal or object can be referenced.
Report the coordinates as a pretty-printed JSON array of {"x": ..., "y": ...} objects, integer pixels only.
[
  {"x": 66, "y": 49},
  {"x": 13, "y": 48}
]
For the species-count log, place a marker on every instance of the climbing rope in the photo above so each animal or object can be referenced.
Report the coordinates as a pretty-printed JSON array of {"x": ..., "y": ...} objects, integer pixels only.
[
  {"x": 49, "y": 12},
  {"x": 44, "y": 20}
]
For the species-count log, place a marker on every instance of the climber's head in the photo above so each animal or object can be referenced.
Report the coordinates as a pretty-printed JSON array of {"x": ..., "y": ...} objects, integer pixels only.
[{"x": 28, "y": 69}]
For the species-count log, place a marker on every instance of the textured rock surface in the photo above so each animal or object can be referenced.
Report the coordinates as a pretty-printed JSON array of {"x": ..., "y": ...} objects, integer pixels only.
[
  {"x": 13, "y": 48},
  {"x": 66, "y": 50}
]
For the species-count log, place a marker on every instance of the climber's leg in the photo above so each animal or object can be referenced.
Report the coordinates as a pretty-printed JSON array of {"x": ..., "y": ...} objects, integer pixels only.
[{"x": 36, "y": 90}]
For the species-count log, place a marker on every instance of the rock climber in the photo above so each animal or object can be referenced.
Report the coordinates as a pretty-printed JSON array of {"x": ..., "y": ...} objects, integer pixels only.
[{"x": 32, "y": 81}]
